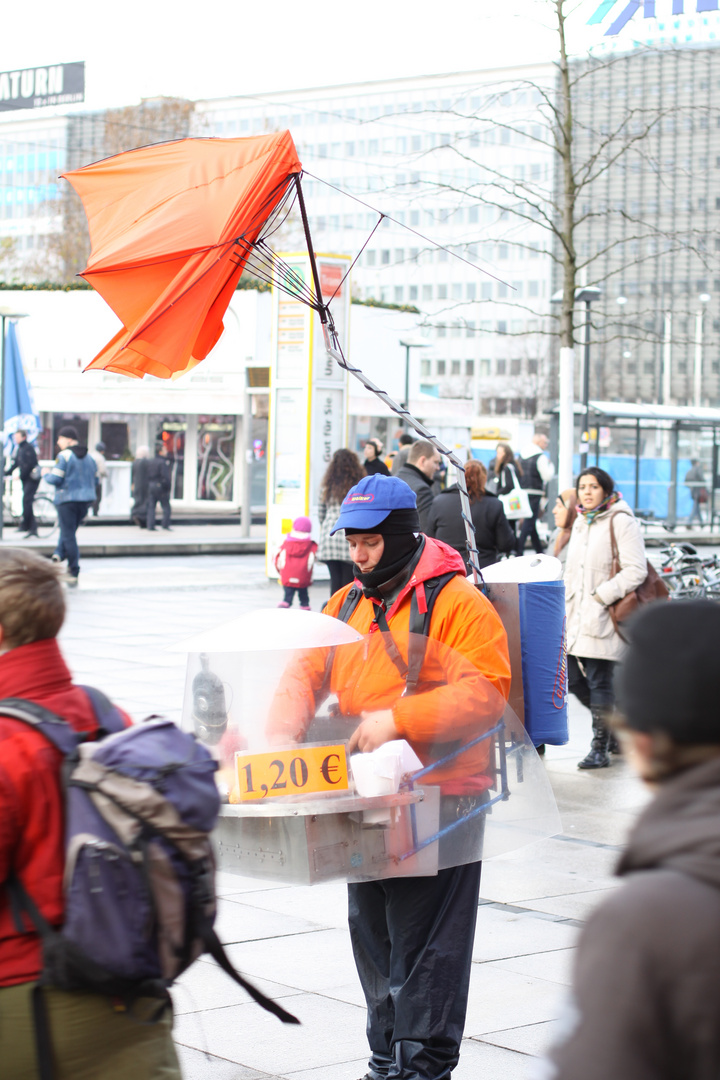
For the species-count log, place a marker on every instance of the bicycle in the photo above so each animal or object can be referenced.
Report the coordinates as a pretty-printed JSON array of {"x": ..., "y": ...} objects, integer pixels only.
[{"x": 44, "y": 512}]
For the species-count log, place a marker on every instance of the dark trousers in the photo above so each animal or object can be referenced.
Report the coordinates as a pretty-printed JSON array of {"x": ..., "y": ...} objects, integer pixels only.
[
  {"x": 70, "y": 515},
  {"x": 529, "y": 528},
  {"x": 289, "y": 595},
  {"x": 156, "y": 494},
  {"x": 341, "y": 573},
  {"x": 592, "y": 684},
  {"x": 28, "y": 522},
  {"x": 412, "y": 940}
]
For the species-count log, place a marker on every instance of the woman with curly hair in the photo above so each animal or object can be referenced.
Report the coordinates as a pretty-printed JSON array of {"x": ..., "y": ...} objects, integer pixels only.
[
  {"x": 493, "y": 534},
  {"x": 343, "y": 472}
]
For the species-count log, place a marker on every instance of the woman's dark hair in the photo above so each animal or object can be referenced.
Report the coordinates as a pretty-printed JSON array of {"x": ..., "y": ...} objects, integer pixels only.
[
  {"x": 604, "y": 479},
  {"x": 509, "y": 459},
  {"x": 343, "y": 472},
  {"x": 475, "y": 477}
]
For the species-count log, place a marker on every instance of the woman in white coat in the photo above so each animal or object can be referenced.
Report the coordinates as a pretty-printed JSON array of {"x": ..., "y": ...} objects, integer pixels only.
[{"x": 594, "y": 646}]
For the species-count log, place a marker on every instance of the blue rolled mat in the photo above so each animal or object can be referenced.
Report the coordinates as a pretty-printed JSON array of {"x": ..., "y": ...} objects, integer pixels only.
[{"x": 544, "y": 660}]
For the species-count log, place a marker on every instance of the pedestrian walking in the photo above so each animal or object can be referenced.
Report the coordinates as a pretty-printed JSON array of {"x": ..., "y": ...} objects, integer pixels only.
[
  {"x": 373, "y": 458},
  {"x": 73, "y": 477},
  {"x": 25, "y": 460},
  {"x": 504, "y": 473},
  {"x": 419, "y": 472},
  {"x": 404, "y": 443},
  {"x": 87, "y": 1034},
  {"x": 159, "y": 485},
  {"x": 139, "y": 486},
  {"x": 294, "y": 563},
  {"x": 564, "y": 514},
  {"x": 343, "y": 472},
  {"x": 412, "y": 938},
  {"x": 695, "y": 480},
  {"x": 646, "y": 985},
  {"x": 536, "y": 471},
  {"x": 493, "y": 535},
  {"x": 593, "y": 644},
  {"x": 98, "y": 455}
]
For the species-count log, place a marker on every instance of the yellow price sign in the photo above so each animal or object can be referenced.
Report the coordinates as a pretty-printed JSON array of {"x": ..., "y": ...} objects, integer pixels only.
[{"x": 287, "y": 772}]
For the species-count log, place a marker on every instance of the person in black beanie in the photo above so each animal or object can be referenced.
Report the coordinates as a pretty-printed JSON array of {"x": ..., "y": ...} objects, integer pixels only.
[
  {"x": 411, "y": 937},
  {"x": 647, "y": 974}
]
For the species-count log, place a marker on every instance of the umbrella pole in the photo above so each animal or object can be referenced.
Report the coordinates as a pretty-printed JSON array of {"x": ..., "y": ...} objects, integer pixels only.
[{"x": 321, "y": 309}]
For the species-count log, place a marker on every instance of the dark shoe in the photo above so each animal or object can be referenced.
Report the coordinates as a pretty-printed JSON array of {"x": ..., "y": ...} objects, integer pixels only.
[
  {"x": 167, "y": 528},
  {"x": 151, "y": 528},
  {"x": 614, "y": 745},
  {"x": 598, "y": 757}
]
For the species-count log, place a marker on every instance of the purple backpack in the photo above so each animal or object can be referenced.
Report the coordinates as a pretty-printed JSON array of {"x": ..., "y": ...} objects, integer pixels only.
[{"x": 140, "y": 902}]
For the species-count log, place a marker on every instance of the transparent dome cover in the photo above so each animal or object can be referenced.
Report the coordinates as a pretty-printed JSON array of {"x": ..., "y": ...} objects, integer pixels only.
[
  {"x": 393, "y": 754},
  {"x": 267, "y": 630}
]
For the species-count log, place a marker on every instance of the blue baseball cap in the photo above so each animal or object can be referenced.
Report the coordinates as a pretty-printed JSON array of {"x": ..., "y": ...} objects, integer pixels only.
[{"x": 368, "y": 503}]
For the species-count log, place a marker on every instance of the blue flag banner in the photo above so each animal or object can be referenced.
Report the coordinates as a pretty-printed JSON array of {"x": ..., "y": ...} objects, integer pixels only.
[
  {"x": 20, "y": 411},
  {"x": 649, "y": 11}
]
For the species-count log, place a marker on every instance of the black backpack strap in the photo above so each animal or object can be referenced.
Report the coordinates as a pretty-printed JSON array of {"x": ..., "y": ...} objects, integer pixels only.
[{"x": 350, "y": 602}]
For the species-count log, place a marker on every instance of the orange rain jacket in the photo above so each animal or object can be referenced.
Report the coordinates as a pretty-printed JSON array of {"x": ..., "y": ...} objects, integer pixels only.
[{"x": 464, "y": 683}]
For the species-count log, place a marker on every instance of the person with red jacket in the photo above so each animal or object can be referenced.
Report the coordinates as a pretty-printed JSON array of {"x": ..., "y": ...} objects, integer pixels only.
[
  {"x": 90, "y": 1037},
  {"x": 412, "y": 937},
  {"x": 294, "y": 563}
]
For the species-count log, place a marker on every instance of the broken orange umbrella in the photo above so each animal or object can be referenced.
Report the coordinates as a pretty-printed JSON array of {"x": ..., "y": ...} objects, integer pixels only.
[{"x": 172, "y": 227}]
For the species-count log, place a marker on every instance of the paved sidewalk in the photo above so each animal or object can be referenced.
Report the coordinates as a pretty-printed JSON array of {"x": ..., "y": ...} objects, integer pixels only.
[{"x": 293, "y": 940}]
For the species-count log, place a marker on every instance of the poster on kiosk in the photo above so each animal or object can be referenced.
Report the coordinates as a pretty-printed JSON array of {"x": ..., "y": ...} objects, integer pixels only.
[{"x": 308, "y": 399}]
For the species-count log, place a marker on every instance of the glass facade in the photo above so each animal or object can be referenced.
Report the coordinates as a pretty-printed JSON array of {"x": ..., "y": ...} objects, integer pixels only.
[{"x": 215, "y": 458}]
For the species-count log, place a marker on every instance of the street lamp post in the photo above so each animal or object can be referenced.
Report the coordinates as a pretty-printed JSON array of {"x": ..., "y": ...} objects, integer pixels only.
[
  {"x": 5, "y": 314},
  {"x": 585, "y": 295},
  {"x": 407, "y": 346},
  {"x": 704, "y": 298}
]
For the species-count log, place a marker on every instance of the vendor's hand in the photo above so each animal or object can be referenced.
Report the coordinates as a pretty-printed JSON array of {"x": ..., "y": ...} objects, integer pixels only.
[{"x": 376, "y": 728}]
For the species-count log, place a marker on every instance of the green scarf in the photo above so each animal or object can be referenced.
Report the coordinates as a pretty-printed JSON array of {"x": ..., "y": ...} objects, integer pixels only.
[{"x": 590, "y": 515}]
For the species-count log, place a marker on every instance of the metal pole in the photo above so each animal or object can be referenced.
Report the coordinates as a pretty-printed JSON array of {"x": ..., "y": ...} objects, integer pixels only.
[
  {"x": 672, "y": 490},
  {"x": 246, "y": 512},
  {"x": 585, "y": 439},
  {"x": 666, "y": 384},
  {"x": 566, "y": 418},
  {"x": 2, "y": 419},
  {"x": 697, "y": 373},
  {"x": 406, "y": 402},
  {"x": 637, "y": 464},
  {"x": 321, "y": 309}
]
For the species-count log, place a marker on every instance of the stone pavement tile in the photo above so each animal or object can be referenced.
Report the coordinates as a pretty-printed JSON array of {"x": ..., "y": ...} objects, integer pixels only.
[
  {"x": 330, "y": 1032},
  {"x": 578, "y": 906},
  {"x": 315, "y": 962},
  {"x": 501, "y": 998},
  {"x": 325, "y": 904},
  {"x": 241, "y": 921},
  {"x": 206, "y": 986},
  {"x": 600, "y": 826},
  {"x": 228, "y": 884},
  {"x": 503, "y": 933},
  {"x": 548, "y": 868},
  {"x": 534, "y": 1039},
  {"x": 483, "y": 1061},
  {"x": 198, "y": 1066},
  {"x": 341, "y": 1070},
  {"x": 554, "y": 966}
]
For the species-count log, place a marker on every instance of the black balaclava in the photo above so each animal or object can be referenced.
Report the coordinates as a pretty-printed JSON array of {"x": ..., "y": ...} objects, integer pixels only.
[{"x": 398, "y": 531}]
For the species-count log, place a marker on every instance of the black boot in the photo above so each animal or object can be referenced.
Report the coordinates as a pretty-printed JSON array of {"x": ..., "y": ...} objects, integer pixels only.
[
  {"x": 598, "y": 757},
  {"x": 614, "y": 744}
]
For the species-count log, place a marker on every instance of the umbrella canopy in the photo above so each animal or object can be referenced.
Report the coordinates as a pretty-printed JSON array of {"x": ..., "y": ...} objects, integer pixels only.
[
  {"x": 20, "y": 411},
  {"x": 171, "y": 228}
]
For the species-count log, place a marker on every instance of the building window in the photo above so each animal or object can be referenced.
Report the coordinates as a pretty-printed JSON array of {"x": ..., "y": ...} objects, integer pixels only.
[
  {"x": 427, "y": 292},
  {"x": 470, "y": 290},
  {"x": 441, "y": 365},
  {"x": 454, "y": 367},
  {"x": 385, "y": 257},
  {"x": 515, "y": 365},
  {"x": 442, "y": 292},
  {"x": 425, "y": 368},
  {"x": 532, "y": 366},
  {"x": 413, "y": 291},
  {"x": 501, "y": 366},
  {"x": 484, "y": 368},
  {"x": 470, "y": 367},
  {"x": 398, "y": 294},
  {"x": 370, "y": 258}
]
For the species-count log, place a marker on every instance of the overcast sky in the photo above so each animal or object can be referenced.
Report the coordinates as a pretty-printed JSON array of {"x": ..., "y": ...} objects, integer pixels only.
[{"x": 145, "y": 48}]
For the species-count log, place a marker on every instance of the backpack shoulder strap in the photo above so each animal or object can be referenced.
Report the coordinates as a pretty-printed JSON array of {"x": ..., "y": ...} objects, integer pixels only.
[
  {"x": 53, "y": 727},
  {"x": 350, "y": 602},
  {"x": 107, "y": 714},
  {"x": 420, "y": 626}
]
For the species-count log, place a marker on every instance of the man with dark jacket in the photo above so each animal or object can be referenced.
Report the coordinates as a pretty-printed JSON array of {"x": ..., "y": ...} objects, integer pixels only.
[
  {"x": 159, "y": 482},
  {"x": 25, "y": 461},
  {"x": 418, "y": 472},
  {"x": 537, "y": 470},
  {"x": 647, "y": 974},
  {"x": 73, "y": 477},
  {"x": 90, "y": 1035}
]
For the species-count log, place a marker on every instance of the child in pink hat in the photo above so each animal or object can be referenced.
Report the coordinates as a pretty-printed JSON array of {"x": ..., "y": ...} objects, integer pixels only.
[{"x": 294, "y": 563}]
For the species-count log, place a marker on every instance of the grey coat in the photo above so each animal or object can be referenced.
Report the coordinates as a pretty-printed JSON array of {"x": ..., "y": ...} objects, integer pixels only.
[
  {"x": 646, "y": 1002},
  {"x": 331, "y": 547}
]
